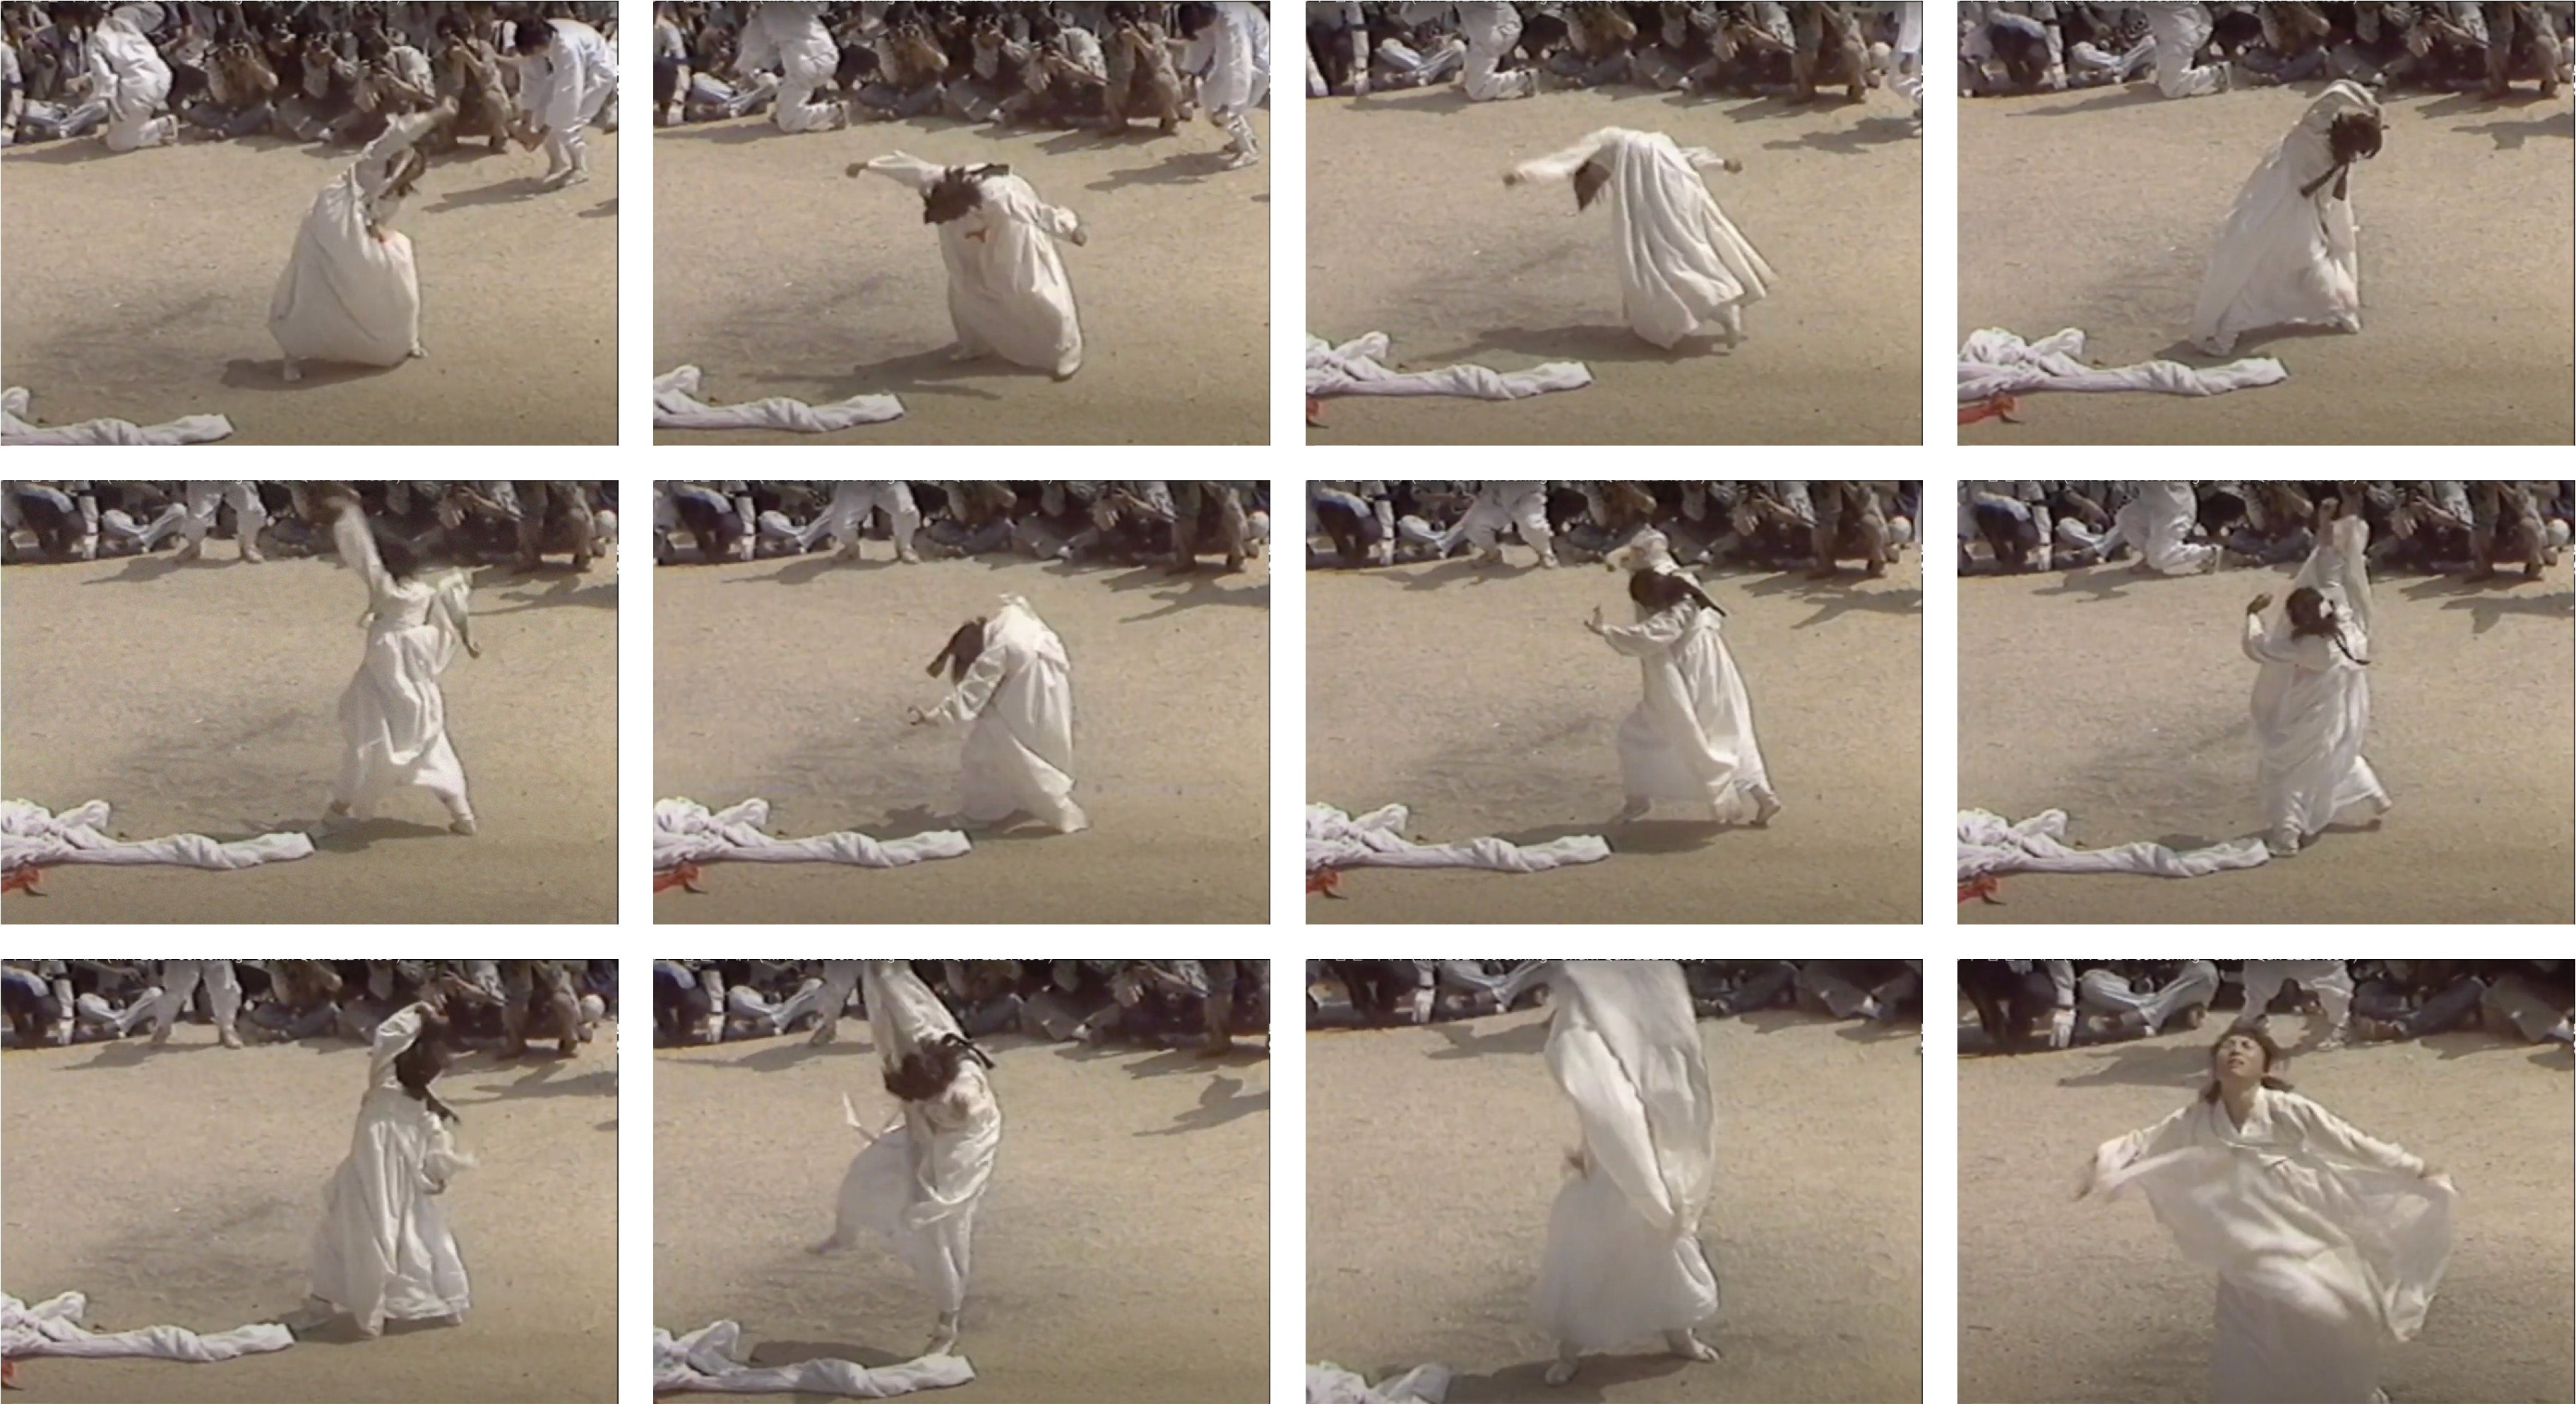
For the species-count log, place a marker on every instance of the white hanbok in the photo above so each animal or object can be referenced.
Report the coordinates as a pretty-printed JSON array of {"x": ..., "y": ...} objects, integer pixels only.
[
  {"x": 393, "y": 714},
  {"x": 1007, "y": 291},
  {"x": 1691, "y": 737},
  {"x": 920, "y": 1181},
  {"x": 1231, "y": 58},
  {"x": 383, "y": 1251},
  {"x": 1624, "y": 1261},
  {"x": 1682, "y": 263},
  {"x": 1018, "y": 694},
  {"x": 2157, "y": 521},
  {"x": 128, "y": 76},
  {"x": 565, "y": 89},
  {"x": 349, "y": 293},
  {"x": 2286, "y": 258},
  {"x": 2312, "y": 701},
  {"x": 2328, "y": 1244}
]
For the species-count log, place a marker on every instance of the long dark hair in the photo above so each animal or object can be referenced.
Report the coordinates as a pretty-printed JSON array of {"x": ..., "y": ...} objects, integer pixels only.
[
  {"x": 2312, "y": 618},
  {"x": 416, "y": 1067},
  {"x": 961, "y": 651},
  {"x": 1660, "y": 590},
  {"x": 926, "y": 1071},
  {"x": 2271, "y": 1055}
]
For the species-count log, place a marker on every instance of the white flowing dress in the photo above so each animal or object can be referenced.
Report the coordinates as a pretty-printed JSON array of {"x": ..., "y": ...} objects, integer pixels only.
[
  {"x": 1682, "y": 262},
  {"x": 2327, "y": 1243},
  {"x": 348, "y": 293},
  {"x": 1018, "y": 756},
  {"x": 383, "y": 1251},
  {"x": 2284, "y": 258},
  {"x": 393, "y": 714},
  {"x": 2311, "y": 702},
  {"x": 920, "y": 1182},
  {"x": 1624, "y": 1261},
  {"x": 1007, "y": 290},
  {"x": 1691, "y": 737}
]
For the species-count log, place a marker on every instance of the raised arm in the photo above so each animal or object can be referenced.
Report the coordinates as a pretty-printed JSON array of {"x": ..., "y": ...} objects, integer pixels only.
[
  {"x": 973, "y": 691},
  {"x": 1559, "y": 165},
  {"x": 1701, "y": 158},
  {"x": 357, "y": 548},
  {"x": 911, "y": 172},
  {"x": 1654, "y": 634}
]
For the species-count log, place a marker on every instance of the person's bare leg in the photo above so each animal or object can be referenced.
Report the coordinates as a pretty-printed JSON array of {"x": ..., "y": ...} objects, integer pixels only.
[{"x": 1568, "y": 1359}]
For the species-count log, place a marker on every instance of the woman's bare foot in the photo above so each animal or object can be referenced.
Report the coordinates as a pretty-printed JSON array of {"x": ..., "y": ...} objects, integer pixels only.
[
  {"x": 1689, "y": 1347},
  {"x": 1567, "y": 1360}
]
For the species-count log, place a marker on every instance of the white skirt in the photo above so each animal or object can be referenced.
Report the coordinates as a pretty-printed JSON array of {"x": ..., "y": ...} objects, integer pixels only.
[{"x": 383, "y": 1251}]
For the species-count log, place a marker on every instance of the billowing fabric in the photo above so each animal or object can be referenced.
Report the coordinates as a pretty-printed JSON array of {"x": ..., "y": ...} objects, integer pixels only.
[
  {"x": 566, "y": 86},
  {"x": 350, "y": 294},
  {"x": 1376, "y": 839},
  {"x": 685, "y": 831},
  {"x": 1359, "y": 368},
  {"x": 33, "y": 837},
  {"x": 383, "y": 1251},
  {"x": 920, "y": 1182},
  {"x": 1691, "y": 737},
  {"x": 710, "y": 1358},
  {"x": 16, "y": 428},
  {"x": 1624, "y": 1260},
  {"x": 1007, "y": 290},
  {"x": 2311, "y": 699},
  {"x": 1993, "y": 361},
  {"x": 1682, "y": 264},
  {"x": 676, "y": 406},
  {"x": 1328, "y": 1383},
  {"x": 2285, "y": 258},
  {"x": 393, "y": 714},
  {"x": 53, "y": 1327},
  {"x": 2328, "y": 1244},
  {"x": 1988, "y": 843},
  {"x": 1018, "y": 695}
]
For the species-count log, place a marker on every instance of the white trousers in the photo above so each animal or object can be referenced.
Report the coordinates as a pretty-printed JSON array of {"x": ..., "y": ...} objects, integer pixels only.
[
  {"x": 1490, "y": 513},
  {"x": 2178, "y": 31},
  {"x": 847, "y": 517},
  {"x": 179, "y": 985},
  {"x": 203, "y": 498}
]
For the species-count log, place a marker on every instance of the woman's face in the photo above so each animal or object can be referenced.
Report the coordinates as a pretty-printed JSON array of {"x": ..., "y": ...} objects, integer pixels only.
[{"x": 2239, "y": 1060}]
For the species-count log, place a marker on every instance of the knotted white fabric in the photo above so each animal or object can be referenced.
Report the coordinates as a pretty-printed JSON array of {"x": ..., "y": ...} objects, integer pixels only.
[
  {"x": 1335, "y": 839},
  {"x": 33, "y": 837},
  {"x": 53, "y": 1327},
  {"x": 710, "y": 1358},
  {"x": 676, "y": 406},
  {"x": 685, "y": 831},
  {"x": 16, "y": 428},
  {"x": 1359, "y": 367}
]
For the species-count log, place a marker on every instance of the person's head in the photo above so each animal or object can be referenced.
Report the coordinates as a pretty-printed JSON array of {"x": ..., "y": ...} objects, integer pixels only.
[
  {"x": 2354, "y": 136},
  {"x": 532, "y": 36},
  {"x": 1659, "y": 590},
  {"x": 926, "y": 1072},
  {"x": 961, "y": 651},
  {"x": 2241, "y": 1061},
  {"x": 401, "y": 561},
  {"x": 957, "y": 193},
  {"x": 2311, "y": 616}
]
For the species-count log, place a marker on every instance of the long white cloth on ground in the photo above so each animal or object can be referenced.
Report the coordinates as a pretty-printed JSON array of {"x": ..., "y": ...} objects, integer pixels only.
[
  {"x": 2311, "y": 702},
  {"x": 2327, "y": 1242},
  {"x": 393, "y": 714},
  {"x": 2285, "y": 257},
  {"x": 1359, "y": 368},
  {"x": 1989, "y": 843},
  {"x": 1682, "y": 262},
  {"x": 348, "y": 295},
  {"x": 1691, "y": 737},
  {"x": 16, "y": 428},
  {"x": 1328, "y": 1383},
  {"x": 1993, "y": 362},
  {"x": 685, "y": 831},
  {"x": 676, "y": 406},
  {"x": 1007, "y": 290},
  {"x": 920, "y": 1182},
  {"x": 710, "y": 1358},
  {"x": 2158, "y": 519},
  {"x": 383, "y": 1250},
  {"x": 1624, "y": 1260},
  {"x": 32, "y": 836},
  {"x": 1018, "y": 756},
  {"x": 53, "y": 1327},
  {"x": 1335, "y": 839}
]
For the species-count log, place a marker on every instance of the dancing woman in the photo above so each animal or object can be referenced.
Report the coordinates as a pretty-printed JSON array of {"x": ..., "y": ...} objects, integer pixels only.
[
  {"x": 393, "y": 714},
  {"x": 2312, "y": 697},
  {"x": 2328, "y": 1244},
  {"x": 1691, "y": 737},
  {"x": 350, "y": 291}
]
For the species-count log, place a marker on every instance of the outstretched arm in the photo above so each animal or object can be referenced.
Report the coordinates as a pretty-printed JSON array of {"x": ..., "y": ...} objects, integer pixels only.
[
  {"x": 973, "y": 691},
  {"x": 357, "y": 548},
  {"x": 1559, "y": 166},
  {"x": 911, "y": 172},
  {"x": 1701, "y": 158}
]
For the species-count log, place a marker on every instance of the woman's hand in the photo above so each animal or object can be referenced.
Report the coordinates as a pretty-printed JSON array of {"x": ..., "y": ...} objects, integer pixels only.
[
  {"x": 2260, "y": 603},
  {"x": 914, "y": 716},
  {"x": 473, "y": 650}
]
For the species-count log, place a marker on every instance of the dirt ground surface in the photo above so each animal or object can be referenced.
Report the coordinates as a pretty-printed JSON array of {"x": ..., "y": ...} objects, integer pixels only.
[
  {"x": 777, "y": 275},
  {"x": 136, "y": 286},
  {"x": 1120, "y": 1256},
  {"x": 1433, "y": 1155},
  {"x": 1410, "y": 231},
  {"x": 2122, "y": 699},
  {"x": 1475, "y": 697},
  {"x": 2089, "y": 1302},
  {"x": 1171, "y": 681},
  {"x": 182, "y": 1187},
  {"x": 203, "y": 698},
  {"x": 2098, "y": 210}
]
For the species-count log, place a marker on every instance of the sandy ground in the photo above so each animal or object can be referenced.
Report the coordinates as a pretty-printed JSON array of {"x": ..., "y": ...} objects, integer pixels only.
[
  {"x": 1438, "y": 1150},
  {"x": 2467, "y": 307},
  {"x": 1171, "y": 736},
  {"x": 2121, "y": 698},
  {"x": 137, "y": 287},
  {"x": 1121, "y": 1253},
  {"x": 1477, "y": 698},
  {"x": 219, "y": 1234},
  {"x": 204, "y": 698},
  {"x": 1410, "y": 231},
  {"x": 2068, "y": 1302},
  {"x": 778, "y": 276}
]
